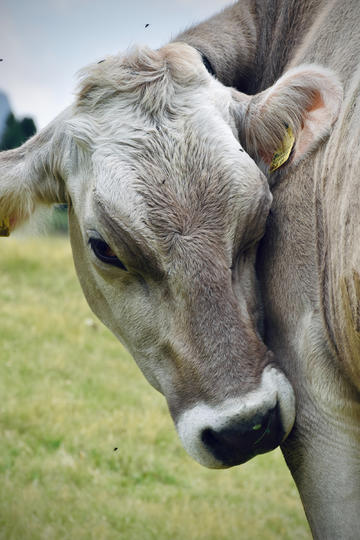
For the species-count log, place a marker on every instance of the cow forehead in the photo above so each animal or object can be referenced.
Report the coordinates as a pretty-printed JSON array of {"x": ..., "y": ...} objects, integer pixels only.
[
  {"x": 168, "y": 196},
  {"x": 194, "y": 149},
  {"x": 177, "y": 168},
  {"x": 180, "y": 180}
]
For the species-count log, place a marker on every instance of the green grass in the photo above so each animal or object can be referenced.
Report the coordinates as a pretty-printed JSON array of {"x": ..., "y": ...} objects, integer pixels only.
[{"x": 70, "y": 394}]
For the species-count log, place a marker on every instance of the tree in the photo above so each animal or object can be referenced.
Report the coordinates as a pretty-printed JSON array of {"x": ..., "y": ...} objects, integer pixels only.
[
  {"x": 16, "y": 132},
  {"x": 28, "y": 127}
]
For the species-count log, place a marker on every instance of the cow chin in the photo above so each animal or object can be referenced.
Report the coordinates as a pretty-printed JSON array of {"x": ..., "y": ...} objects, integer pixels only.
[{"x": 234, "y": 431}]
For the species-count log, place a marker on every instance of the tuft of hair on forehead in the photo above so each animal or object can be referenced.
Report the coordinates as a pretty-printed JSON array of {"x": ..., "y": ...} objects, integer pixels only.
[{"x": 146, "y": 75}]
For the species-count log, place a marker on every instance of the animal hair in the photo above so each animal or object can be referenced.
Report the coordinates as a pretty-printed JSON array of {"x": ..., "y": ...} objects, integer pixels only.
[{"x": 144, "y": 75}]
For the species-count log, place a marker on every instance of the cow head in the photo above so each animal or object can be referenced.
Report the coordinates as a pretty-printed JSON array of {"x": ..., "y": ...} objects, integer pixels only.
[{"x": 166, "y": 208}]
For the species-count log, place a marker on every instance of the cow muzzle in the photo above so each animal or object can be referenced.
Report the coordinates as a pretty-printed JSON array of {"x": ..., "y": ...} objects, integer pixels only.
[{"x": 234, "y": 431}]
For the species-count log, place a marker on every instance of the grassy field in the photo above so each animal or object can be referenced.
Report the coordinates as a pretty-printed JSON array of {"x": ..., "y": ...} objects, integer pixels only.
[{"x": 70, "y": 395}]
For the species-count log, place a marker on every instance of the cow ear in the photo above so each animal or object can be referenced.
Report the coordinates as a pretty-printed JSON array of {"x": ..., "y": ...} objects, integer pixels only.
[
  {"x": 32, "y": 174},
  {"x": 289, "y": 119}
]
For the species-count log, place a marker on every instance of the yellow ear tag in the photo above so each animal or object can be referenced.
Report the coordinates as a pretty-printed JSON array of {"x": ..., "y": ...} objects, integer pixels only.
[
  {"x": 282, "y": 154},
  {"x": 5, "y": 227}
]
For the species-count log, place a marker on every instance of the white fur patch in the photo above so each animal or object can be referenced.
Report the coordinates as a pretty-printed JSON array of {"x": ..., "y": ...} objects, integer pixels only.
[{"x": 274, "y": 387}]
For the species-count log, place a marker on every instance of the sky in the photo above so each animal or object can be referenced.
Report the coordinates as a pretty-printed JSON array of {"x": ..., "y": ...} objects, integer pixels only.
[{"x": 43, "y": 43}]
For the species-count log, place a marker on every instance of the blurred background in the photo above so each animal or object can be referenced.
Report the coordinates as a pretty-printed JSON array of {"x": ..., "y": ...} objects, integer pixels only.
[{"x": 87, "y": 447}]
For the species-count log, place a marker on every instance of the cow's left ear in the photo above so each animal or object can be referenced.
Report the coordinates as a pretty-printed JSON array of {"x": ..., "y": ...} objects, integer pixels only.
[{"x": 286, "y": 121}]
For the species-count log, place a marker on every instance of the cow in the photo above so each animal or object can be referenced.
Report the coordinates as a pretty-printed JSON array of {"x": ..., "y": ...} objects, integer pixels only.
[{"x": 214, "y": 208}]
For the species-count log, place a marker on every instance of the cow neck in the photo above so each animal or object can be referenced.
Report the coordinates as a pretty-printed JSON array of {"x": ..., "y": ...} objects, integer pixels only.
[
  {"x": 249, "y": 44},
  {"x": 281, "y": 27},
  {"x": 227, "y": 41}
]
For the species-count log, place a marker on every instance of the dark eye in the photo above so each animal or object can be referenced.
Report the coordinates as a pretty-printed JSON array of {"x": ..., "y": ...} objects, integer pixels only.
[{"x": 104, "y": 252}]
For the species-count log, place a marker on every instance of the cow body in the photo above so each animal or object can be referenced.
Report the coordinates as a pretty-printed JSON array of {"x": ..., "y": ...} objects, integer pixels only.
[
  {"x": 166, "y": 211},
  {"x": 309, "y": 264}
]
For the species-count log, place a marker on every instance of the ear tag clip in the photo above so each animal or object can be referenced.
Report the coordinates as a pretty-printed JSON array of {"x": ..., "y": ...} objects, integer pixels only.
[
  {"x": 5, "y": 227},
  {"x": 282, "y": 154}
]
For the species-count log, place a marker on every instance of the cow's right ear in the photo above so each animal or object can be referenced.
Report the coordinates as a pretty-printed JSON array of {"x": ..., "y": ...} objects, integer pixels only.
[
  {"x": 288, "y": 120},
  {"x": 33, "y": 174}
]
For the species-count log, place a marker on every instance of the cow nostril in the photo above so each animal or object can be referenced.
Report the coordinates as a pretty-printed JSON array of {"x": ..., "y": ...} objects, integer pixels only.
[
  {"x": 242, "y": 439},
  {"x": 210, "y": 438}
]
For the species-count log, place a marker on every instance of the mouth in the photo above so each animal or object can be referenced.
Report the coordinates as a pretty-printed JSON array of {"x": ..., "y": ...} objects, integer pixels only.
[
  {"x": 238, "y": 429},
  {"x": 242, "y": 441}
]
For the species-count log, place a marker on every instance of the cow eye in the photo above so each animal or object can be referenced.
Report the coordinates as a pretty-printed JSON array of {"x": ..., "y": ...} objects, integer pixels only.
[{"x": 104, "y": 252}]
